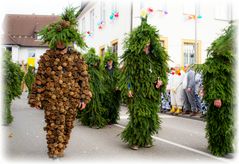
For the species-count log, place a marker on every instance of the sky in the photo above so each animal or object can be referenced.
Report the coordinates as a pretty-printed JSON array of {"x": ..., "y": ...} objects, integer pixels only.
[{"x": 40, "y": 7}]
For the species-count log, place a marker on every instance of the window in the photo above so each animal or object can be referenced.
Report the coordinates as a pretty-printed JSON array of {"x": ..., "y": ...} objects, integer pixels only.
[
  {"x": 114, "y": 44},
  {"x": 83, "y": 25},
  {"x": 189, "y": 55},
  {"x": 102, "y": 51},
  {"x": 31, "y": 53},
  {"x": 164, "y": 42},
  {"x": 223, "y": 11},
  {"x": 92, "y": 21},
  {"x": 102, "y": 11},
  {"x": 36, "y": 36},
  {"x": 9, "y": 49}
]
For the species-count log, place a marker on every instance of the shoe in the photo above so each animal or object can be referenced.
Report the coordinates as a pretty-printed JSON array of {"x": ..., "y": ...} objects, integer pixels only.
[
  {"x": 193, "y": 114},
  {"x": 186, "y": 112},
  {"x": 148, "y": 145},
  {"x": 178, "y": 111},
  {"x": 134, "y": 147},
  {"x": 202, "y": 116},
  {"x": 172, "y": 110}
]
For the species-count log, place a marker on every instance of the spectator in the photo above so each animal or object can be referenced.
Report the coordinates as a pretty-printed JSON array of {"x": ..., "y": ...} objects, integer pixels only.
[
  {"x": 176, "y": 91},
  {"x": 189, "y": 91},
  {"x": 166, "y": 102}
]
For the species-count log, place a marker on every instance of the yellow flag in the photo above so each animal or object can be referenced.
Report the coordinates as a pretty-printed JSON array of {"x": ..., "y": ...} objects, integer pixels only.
[{"x": 31, "y": 61}]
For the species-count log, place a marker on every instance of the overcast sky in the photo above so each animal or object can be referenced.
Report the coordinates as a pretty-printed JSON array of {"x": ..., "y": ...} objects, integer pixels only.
[{"x": 44, "y": 7}]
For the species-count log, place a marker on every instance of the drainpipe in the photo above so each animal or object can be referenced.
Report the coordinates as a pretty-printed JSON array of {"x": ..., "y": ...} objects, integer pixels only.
[{"x": 131, "y": 15}]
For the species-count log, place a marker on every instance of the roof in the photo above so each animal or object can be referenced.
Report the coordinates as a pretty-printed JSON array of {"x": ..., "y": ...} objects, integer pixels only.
[{"x": 21, "y": 29}]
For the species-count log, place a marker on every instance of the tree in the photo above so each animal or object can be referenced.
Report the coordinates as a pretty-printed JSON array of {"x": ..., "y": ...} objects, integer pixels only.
[
  {"x": 218, "y": 80},
  {"x": 111, "y": 98},
  {"x": 145, "y": 65},
  {"x": 13, "y": 76},
  {"x": 93, "y": 115},
  {"x": 29, "y": 78}
]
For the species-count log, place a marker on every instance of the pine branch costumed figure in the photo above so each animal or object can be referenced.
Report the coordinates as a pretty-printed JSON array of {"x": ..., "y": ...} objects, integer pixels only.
[
  {"x": 111, "y": 98},
  {"x": 29, "y": 78},
  {"x": 62, "y": 83},
  {"x": 218, "y": 82},
  {"x": 13, "y": 76},
  {"x": 143, "y": 78},
  {"x": 93, "y": 115}
]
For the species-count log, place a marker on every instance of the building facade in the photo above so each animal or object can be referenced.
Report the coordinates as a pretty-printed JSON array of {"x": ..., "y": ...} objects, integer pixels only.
[
  {"x": 186, "y": 28},
  {"x": 20, "y": 36}
]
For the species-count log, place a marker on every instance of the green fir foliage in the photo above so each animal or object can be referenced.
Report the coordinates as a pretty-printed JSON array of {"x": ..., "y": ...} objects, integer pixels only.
[
  {"x": 139, "y": 73},
  {"x": 29, "y": 78},
  {"x": 64, "y": 30},
  {"x": 218, "y": 82},
  {"x": 111, "y": 98},
  {"x": 13, "y": 76},
  {"x": 93, "y": 114}
]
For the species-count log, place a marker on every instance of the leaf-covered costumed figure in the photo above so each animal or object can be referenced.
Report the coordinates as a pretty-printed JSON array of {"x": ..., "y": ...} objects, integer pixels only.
[
  {"x": 13, "y": 76},
  {"x": 93, "y": 115},
  {"x": 143, "y": 78},
  {"x": 218, "y": 82},
  {"x": 29, "y": 78},
  {"x": 61, "y": 84},
  {"x": 112, "y": 95}
]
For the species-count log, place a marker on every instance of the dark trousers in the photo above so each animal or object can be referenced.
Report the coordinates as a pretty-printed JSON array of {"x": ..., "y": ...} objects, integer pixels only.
[{"x": 189, "y": 101}]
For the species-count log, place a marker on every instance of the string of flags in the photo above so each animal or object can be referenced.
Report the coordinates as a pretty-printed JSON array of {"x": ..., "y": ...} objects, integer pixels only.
[
  {"x": 145, "y": 12},
  {"x": 100, "y": 24},
  {"x": 192, "y": 16},
  {"x": 114, "y": 15},
  {"x": 150, "y": 11}
]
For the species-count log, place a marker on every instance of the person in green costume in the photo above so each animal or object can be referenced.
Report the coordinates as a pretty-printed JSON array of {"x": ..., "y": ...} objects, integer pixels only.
[
  {"x": 143, "y": 78},
  {"x": 93, "y": 115},
  {"x": 218, "y": 77},
  {"x": 112, "y": 94}
]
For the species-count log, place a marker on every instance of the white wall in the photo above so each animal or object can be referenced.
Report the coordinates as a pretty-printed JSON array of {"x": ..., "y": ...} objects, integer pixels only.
[
  {"x": 21, "y": 53},
  {"x": 112, "y": 30},
  {"x": 174, "y": 26}
]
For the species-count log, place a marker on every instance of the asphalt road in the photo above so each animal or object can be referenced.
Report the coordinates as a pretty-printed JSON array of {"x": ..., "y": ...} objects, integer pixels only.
[{"x": 179, "y": 139}]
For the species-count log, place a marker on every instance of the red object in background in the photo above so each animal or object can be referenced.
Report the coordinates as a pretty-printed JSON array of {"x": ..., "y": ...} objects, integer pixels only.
[
  {"x": 150, "y": 10},
  {"x": 117, "y": 14},
  {"x": 88, "y": 32},
  {"x": 179, "y": 73},
  {"x": 190, "y": 17},
  {"x": 100, "y": 27},
  {"x": 173, "y": 73}
]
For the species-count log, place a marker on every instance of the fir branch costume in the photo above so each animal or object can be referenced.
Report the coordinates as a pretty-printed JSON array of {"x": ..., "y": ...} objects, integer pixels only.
[
  {"x": 13, "y": 76},
  {"x": 112, "y": 95},
  {"x": 218, "y": 84},
  {"x": 93, "y": 115},
  {"x": 142, "y": 69},
  {"x": 61, "y": 83},
  {"x": 29, "y": 78}
]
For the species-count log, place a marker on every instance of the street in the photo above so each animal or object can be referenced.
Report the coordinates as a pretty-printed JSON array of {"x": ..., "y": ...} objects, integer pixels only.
[{"x": 179, "y": 139}]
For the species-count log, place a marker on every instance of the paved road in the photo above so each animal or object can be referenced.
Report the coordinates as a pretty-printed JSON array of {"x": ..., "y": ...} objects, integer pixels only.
[{"x": 179, "y": 139}]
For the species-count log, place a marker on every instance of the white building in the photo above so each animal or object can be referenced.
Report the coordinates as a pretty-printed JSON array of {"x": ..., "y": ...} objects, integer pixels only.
[
  {"x": 20, "y": 36},
  {"x": 175, "y": 21}
]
